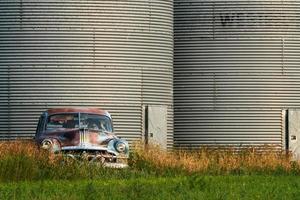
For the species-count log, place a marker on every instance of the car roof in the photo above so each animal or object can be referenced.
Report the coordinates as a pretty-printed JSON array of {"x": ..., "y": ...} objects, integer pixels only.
[{"x": 78, "y": 110}]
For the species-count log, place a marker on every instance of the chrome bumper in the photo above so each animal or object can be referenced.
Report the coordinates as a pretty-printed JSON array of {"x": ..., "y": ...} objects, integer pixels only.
[
  {"x": 115, "y": 165},
  {"x": 120, "y": 164}
]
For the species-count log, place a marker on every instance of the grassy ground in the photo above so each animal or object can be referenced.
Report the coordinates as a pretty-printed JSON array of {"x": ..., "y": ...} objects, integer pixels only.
[
  {"x": 27, "y": 172},
  {"x": 193, "y": 187}
]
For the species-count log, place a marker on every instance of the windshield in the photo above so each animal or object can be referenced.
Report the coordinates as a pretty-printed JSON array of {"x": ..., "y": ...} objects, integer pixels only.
[
  {"x": 87, "y": 121},
  {"x": 68, "y": 121},
  {"x": 95, "y": 122}
]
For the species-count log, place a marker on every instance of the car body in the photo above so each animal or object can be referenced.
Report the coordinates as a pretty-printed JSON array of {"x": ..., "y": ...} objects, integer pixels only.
[{"x": 82, "y": 134}]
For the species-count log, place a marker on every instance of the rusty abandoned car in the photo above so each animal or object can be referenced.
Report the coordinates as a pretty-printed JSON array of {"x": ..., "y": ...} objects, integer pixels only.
[{"x": 82, "y": 134}]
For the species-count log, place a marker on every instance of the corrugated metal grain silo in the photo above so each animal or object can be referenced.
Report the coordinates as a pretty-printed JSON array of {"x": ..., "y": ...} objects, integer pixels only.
[
  {"x": 115, "y": 55},
  {"x": 237, "y": 69}
]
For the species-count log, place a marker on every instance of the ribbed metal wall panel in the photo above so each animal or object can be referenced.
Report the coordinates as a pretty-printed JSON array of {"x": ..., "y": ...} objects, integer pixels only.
[
  {"x": 4, "y": 103},
  {"x": 237, "y": 65},
  {"x": 115, "y": 55}
]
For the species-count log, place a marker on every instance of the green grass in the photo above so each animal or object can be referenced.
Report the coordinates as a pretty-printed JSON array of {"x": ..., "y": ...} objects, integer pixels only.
[
  {"x": 27, "y": 172},
  {"x": 188, "y": 187}
]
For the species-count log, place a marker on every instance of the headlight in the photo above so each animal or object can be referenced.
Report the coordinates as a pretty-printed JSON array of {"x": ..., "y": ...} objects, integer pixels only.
[
  {"x": 121, "y": 147},
  {"x": 46, "y": 144},
  {"x": 51, "y": 145}
]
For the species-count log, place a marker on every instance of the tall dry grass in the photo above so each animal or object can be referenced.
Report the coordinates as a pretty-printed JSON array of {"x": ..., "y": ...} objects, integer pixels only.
[
  {"x": 226, "y": 160},
  {"x": 21, "y": 160}
]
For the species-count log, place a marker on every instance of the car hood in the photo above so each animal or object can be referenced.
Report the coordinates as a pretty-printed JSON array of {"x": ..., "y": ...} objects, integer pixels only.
[{"x": 77, "y": 137}]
